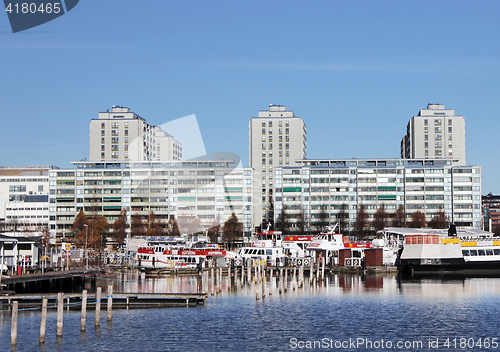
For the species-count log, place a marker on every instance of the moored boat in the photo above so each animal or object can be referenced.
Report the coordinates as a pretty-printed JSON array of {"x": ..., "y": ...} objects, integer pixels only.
[{"x": 467, "y": 250}]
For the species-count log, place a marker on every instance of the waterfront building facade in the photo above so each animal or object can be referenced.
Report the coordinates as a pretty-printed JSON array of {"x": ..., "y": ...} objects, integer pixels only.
[
  {"x": 340, "y": 186},
  {"x": 207, "y": 190},
  {"x": 24, "y": 203},
  {"x": 121, "y": 135},
  {"x": 435, "y": 133},
  {"x": 491, "y": 212},
  {"x": 277, "y": 139}
]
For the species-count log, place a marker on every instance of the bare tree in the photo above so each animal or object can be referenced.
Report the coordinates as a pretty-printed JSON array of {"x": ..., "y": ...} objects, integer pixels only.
[
  {"x": 232, "y": 229},
  {"x": 172, "y": 228},
  {"x": 361, "y": 223},
  {"x": 120, "y": 228},
  {"x": 440, "y": 221},
  {"x": 399, "y": 217},
  {"x": 418, "y": 220},
  {"x": 153, "y": 226},
  {"x": 137, "y": 226},
  {"x": 78, "y": 228},
  {"x": 323, "y": 219},
  {"x": 380, "y": 219}
]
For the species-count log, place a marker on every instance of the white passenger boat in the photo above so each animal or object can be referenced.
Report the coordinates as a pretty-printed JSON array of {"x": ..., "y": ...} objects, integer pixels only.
[{"x": 467, "y": 251}]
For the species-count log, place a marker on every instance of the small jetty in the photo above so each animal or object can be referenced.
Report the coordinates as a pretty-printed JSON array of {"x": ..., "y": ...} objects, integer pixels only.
[{"x": 72, "y": 301}]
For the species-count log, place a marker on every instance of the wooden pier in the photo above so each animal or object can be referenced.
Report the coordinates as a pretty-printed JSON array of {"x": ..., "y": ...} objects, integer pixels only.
[{"x": 72, "y": 301}]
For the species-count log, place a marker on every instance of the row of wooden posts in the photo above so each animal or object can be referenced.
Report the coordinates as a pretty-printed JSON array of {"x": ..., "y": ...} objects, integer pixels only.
[
  {"x": 260, "y": 273},
  {"x": 60, "y": 308}
]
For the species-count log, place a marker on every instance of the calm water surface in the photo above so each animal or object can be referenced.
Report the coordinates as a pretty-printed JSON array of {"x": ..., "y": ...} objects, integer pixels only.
[{"x": 349, "y": 313}]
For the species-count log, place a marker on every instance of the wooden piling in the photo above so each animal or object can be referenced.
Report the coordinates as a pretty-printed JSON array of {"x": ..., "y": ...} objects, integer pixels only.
[
  {"x": 271, "y": 281},
  {"x": 83, "y": 320},
  {"x": 43, "y": 322},
  {"x": 97, "y": 306},
  {"x": 110, "y": 302},
  {"x": 281, "y": 281},
  {"x": 60, "y": 307},
  {"x": 212, "y": 280},
  {"x": 286, "y": 280},
  {"x": 249, "y": 272},
  {"x": 13, "y": 325}
]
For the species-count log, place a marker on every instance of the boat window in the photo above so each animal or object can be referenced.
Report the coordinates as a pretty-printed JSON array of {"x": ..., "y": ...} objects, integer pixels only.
[
  {"x": 261, "y": 252},
  {"x": 481, "y": 252},
  {"x": 465, "y": 252},
  {"x": 269, "y": 252},
  {"x": 489, "y": 251},
  {"x": 496, "y": 251},
  {"x": 473, "y": 252}
]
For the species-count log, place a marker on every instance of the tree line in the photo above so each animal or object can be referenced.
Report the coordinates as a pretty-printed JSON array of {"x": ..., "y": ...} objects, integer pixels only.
[{"x": 94, "y": 231}]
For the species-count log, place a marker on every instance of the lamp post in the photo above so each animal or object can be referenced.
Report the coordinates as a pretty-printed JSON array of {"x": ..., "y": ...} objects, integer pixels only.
[{"x": 86, "y": 251}]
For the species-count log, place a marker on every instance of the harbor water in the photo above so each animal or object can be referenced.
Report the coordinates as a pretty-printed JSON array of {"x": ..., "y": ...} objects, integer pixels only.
[{"x": 348, "y": 312}]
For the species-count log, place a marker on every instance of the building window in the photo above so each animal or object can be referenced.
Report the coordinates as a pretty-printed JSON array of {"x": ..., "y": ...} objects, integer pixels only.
[
  {"x": 263, "y": 124},
  {"x": 287, "y": 145},
  {"x": 450, "y": 144},
  {"x": 114, "y": 125},
  {"x": 287, "y": 138},
  {"x": 270, "y": 124},
  {"x": 286, "y": 123},
  {"x": 126, "y": 155},
  {"x": 102, "y": 155},
  {"x": 438, "y": 144},
  {"x": 281, "y": 146},
  {"x": 114, "y": 147},
  {"x": 270, "y": 161},
  {"x": 102, "y": 140},
  {"x": 270, "y": 146},
  {"x": 281, "y": 123},
  {"x": 263, "y": 145},
  {"x": 114, "y": 132},
  {"x": 287, "y": 161},
  {"x": 114, "y": 155},
  {"x": 103, "y": 148},
  {"x": 437, "y": 122},
  {"x": 270, "y": 131},
  {"x": 426, "y": 137},
  {"x": 438, "y": 137},
  {"x": 40, "y": 188},
  {"x": 263, "y": 138},
  {"x": 449, "y": 129},
  {"x": 103, "y": 125},
  {"x": 126, "y": 124},
  {"x": 426, "y": 129},
  {"x": 280, "y": 131},
  {"x": 450, "y": 121},
  {"x": 437, "y": 129},
  {"x": 263, "y": 161},
  {"x": 126, "y": 139},
  {"x": 281, "y": 161},
  {"x": 287, "y": 153},
  {"x": 287, "y": 130},
  {"x": 426, "y": 122},
  {"x": 427, "y": 144},
  {"x": 450, "y": 137},
  {"x": 270, "y": 138},
  {"x": 114, "y": 140},
  {"x": 103, "y": 132},
  {"x": 263, "y": 131},
  {"x": 126, "y": 132}
]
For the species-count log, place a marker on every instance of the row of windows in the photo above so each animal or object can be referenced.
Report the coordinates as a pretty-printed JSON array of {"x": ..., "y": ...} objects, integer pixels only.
[
  {"x": 280, "y": 131},
  {"x": 437, "y": 122},
  {"x": 280, "y": 146},
  {"x": 287, "y": 123},
  {"x": 113, "y": 125}
]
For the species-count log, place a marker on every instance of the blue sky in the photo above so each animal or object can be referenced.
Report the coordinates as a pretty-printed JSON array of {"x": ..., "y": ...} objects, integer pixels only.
[{"x": 355, "y": 71}]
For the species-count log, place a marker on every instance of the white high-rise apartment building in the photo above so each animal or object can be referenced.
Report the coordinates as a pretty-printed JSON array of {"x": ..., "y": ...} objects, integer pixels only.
[
  {"x": 435, "y": 133},
  {"x": 277, "y": 139},
  {"x": 123, "y": 135}
]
